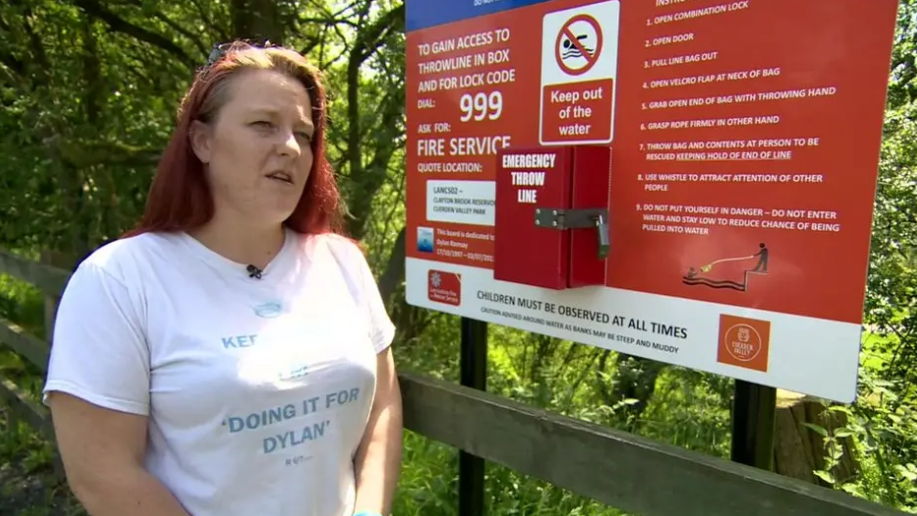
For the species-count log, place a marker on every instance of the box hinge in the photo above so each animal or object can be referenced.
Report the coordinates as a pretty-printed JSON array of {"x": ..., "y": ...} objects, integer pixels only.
[{"x": 577, "y": 218}]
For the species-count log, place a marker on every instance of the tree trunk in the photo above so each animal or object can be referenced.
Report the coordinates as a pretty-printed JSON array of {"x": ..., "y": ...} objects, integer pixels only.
[
  {"x": 257, "y": 20},
  {"x": 800, "y": 450}
]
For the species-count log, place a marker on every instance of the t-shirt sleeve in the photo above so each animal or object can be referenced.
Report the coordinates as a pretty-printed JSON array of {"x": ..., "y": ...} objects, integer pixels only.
[
  {"x": 99, "y": 352},
  {"x": 382, "y": 330}
]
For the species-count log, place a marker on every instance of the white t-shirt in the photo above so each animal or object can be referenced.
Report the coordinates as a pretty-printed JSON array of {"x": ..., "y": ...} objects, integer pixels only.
[{"x": 258, "y": 390}]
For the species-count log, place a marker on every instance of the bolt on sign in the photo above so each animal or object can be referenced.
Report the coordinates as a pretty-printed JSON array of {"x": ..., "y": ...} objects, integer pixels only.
[{"x": 687, "y": 183}]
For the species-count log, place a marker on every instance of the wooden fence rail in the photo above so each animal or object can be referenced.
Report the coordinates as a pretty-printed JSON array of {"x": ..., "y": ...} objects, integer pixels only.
[{"x": 629, "y": 472}]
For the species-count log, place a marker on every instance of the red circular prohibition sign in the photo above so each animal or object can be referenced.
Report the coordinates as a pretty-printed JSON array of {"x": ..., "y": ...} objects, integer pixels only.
[{"x": 591, "y": 59}]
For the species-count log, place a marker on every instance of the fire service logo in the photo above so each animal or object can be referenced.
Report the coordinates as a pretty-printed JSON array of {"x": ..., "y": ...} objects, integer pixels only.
[{"x": 444, "y": 287}]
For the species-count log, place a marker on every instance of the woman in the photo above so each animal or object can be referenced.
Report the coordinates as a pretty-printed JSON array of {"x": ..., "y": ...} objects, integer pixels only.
[{"x": 230, "y": 356}]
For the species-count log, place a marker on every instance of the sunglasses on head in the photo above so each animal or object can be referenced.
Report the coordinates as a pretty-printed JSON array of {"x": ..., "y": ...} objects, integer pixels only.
[{"x": 220, "y": 49}]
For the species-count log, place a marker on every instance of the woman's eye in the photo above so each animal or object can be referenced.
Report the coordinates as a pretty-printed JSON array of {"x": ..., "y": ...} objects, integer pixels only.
[
  {"x": 306, "y": 136},
  {"x": 262, "y": 123}
]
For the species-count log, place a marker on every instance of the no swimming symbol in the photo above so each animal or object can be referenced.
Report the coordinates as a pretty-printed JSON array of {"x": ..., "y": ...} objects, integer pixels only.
[{"x": 578, "y": 45}]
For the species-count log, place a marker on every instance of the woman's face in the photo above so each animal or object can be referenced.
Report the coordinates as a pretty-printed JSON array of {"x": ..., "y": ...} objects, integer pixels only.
[{"x": 258, "y": 149}]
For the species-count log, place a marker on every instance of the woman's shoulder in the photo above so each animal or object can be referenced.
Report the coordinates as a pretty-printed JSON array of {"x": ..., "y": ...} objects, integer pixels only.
[
  {"x": 124, "y": 259},
  {"x": 342, "y": 248},
  {"x": 345, "y": 255}
]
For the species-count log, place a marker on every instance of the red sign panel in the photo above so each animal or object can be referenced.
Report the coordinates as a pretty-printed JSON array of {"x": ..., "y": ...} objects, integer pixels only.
[
  {"x": 731, "y": 137},
  {"x": 744, "y": 141}
]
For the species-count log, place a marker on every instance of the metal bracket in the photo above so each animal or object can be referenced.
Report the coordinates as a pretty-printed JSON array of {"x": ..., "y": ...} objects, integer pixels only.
[
  {"x": 564, "y": 218},
  {"x": 580, "y": 218}
]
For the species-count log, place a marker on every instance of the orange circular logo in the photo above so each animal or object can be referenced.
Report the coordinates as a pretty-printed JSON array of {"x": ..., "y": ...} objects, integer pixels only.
[{"x": 742, "y": 342}]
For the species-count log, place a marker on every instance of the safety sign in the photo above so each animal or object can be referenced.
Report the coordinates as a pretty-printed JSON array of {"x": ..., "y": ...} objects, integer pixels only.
[
  {"x": 691, "y": 182},
  {"x": 578, "y": 68},
  {"x": 572, "y": 51}
]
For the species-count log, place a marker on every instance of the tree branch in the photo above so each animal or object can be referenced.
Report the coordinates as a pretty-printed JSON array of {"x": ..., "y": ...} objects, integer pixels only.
[
  {"x": 202, "y": 48},
  {"x": 118, "y": 24},
  {"x": 368, "y": 41}
]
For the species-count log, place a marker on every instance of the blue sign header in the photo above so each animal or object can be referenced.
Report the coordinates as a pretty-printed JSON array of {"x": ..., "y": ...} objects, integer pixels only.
[{"x": 427, "y": 13}]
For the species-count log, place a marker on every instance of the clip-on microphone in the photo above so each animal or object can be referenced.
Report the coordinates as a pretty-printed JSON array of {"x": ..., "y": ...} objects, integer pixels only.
[{"x": 254, "y": 272}]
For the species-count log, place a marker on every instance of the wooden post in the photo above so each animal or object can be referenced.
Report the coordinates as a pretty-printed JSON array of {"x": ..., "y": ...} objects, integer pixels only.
[
  {"x": 12, "y": 418},
  {"x": 753, "y": 422},
  {"x": 61, "y": 261},
  {"x": 800, "y": 450}
]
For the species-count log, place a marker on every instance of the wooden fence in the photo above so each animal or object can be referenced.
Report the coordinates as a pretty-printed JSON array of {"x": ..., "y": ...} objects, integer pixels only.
[{"x": 631, "y": 473}]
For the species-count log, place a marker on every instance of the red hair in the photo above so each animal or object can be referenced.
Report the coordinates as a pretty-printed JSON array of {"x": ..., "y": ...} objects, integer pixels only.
[{"x": 180, "y": 199}]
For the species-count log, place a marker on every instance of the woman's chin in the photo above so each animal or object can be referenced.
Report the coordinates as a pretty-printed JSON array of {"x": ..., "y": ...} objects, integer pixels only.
[
  {"x": 281, "y": 204},
  {"x": 275, "y": 213}
]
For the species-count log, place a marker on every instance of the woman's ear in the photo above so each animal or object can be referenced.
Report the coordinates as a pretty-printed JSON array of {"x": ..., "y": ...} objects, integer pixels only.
[{"x": 200, "y": 135}]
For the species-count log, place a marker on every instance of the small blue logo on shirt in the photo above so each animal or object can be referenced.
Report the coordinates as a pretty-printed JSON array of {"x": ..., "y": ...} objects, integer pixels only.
[
  {"x": 268, "y": 309},
  {"x": 297, "y": 371}
]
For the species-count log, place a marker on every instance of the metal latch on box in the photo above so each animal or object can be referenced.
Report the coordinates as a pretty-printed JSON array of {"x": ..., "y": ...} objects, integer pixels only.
[{"x": 565, "y": 218}]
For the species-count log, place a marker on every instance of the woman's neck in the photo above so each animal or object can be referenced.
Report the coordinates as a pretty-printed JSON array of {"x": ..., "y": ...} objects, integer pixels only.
[{"x": 241, "y": 242}]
